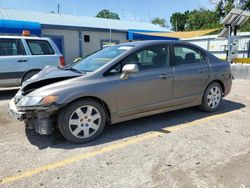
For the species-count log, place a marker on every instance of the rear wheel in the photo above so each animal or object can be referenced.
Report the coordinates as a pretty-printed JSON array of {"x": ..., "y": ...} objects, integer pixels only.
[
  {"x": 82, "y": 121},
  {"x": 212, "y": 97}
]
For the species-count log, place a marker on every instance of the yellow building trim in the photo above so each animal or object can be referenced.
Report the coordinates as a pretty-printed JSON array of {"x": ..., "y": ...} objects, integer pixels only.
[
  {"x": 181, "y": 34},
  {"x": 241, "y": 60}
]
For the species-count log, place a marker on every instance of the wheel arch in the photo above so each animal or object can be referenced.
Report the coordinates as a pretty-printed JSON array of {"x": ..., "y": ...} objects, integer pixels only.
[
  {"x": 219, "y": 82},
  {"x": 101, "y": 101},
  {"x": 27, "y": 72}
]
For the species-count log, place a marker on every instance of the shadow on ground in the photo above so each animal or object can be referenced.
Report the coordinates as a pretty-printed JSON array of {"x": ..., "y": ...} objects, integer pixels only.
[{"x": 131, "y": 128}]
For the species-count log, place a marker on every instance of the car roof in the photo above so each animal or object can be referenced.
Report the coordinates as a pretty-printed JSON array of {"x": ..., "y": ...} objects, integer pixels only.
[
  {"x": 22, "y": 37},
  {"x": 155, "y": 42},
  {"x": 151, "y": 42}
]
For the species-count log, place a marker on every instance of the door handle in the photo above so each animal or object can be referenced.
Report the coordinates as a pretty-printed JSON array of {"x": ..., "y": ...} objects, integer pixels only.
[
  {"x": 203, "y": 70},
  {"x": 163, "y": 76},
  {"x": 22, "y": 60}
]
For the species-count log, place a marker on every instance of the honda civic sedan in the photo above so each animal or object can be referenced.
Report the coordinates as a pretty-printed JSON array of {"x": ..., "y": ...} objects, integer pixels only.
[{"x": 121, "y": 83}]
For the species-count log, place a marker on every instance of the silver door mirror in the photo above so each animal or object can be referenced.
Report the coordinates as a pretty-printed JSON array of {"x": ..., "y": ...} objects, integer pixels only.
[{"x": 128, "y": 69}]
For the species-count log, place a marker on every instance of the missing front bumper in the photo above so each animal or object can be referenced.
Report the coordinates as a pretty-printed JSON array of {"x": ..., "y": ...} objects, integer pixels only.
[
  {"x": 42, "y": 119},
  {"x": 14, "y": 112}
]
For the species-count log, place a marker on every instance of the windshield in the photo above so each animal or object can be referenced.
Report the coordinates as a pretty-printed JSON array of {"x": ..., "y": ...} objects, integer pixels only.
[{"x": 99, "y": 59}]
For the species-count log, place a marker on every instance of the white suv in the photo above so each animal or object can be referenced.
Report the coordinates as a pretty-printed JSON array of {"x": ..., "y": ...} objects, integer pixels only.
[{"x": 21, "y": 57}]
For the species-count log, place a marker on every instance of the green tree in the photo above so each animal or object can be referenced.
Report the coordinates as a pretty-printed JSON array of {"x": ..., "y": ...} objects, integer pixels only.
[
  {"x": 108, "y": 15},
  {"x": 178, "y": 21},
  {"x": 202, "y": 19},
  {"x": 246, "y": 4},
  {"x": 229, "y": 5},
  {"x": 159, "y": 21},
  {"x": 207, "y": 19},
  {"x": 245, "y": 27},
  {"x": 219, "y": 9}
]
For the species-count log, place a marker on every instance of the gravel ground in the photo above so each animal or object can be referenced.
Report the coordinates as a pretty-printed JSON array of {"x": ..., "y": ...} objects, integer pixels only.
[{"x": 184, "y": 148}]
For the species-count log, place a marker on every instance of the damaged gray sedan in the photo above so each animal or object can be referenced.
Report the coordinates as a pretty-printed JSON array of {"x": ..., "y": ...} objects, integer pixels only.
[{"x": 121, "y": 83}]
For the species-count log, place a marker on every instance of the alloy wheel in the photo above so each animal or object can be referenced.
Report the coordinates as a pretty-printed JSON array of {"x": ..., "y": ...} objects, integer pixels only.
[
  {"x": 214, "y": 97},
  {"x": 84, "y": 121}
]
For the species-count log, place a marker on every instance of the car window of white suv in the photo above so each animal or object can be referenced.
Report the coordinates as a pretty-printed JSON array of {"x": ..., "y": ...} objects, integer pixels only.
[
  {"x": 11, "y": 47},
  {"x": 40, "y": 47}
]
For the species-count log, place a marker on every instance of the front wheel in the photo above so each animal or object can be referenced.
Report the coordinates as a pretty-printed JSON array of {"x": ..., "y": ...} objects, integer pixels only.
[
  {"x": 82, "y": 121},
  {"x": 212, "y": 97}
]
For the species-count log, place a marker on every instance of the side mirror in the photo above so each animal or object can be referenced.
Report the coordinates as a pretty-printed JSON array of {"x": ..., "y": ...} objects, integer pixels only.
[{"x": 128, "y": 69}]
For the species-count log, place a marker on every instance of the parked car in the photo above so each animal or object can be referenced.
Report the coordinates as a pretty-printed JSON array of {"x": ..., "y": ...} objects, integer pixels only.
[
  {"x": 21, "y": 57},
  {"x": 121, "y": 83}
]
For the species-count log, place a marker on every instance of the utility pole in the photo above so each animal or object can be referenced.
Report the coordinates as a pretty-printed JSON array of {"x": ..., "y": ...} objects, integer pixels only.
[
  {"x": 105, "y": 16},
  {"x": 134, "y": 13},
  {"x": 110, "y": 36},
  {"x": 58, "y": 8},
  {"x": 149, "y": 16},
  {"x": 176, "y": 25},
  {"x": 123, "y": 14}
]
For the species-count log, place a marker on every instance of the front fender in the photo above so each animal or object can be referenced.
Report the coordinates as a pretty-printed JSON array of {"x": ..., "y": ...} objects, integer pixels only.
[{"x": 101, "y": 92}]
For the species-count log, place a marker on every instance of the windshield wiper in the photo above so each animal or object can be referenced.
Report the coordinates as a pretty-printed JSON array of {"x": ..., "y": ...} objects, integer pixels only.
[{"x": 74, "y": 70}]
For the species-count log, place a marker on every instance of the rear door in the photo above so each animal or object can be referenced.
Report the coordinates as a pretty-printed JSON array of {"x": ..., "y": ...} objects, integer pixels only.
[
  {"x": 13, "y": 61},
  {"x": 42, "y": 54},
  {"x": 191, "y": 73}
]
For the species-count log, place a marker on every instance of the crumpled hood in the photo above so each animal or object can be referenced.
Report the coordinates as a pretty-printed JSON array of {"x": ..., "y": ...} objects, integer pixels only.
[{"x": 47, "y": 76}]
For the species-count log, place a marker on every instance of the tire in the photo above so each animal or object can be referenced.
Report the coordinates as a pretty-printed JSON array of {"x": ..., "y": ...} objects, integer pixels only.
[
  {"x": 82, "y": 121},
  {"x": 212, "y": 98},
  {"x": 29, "y": 75}
]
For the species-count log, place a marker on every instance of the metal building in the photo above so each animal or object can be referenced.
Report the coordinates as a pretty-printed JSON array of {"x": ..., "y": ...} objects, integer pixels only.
[
  {"x": 75, "y": 36},
  {"x": 219, "y": 46}
]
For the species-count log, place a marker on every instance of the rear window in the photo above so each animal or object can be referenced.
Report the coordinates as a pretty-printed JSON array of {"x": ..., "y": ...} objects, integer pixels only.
[
  {"x": 11, "y": 47},
  {"x": 40, "y": 47}
]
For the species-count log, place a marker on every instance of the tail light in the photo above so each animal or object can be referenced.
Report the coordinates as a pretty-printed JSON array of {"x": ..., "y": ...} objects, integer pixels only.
[{"x": 62, "y": 61}]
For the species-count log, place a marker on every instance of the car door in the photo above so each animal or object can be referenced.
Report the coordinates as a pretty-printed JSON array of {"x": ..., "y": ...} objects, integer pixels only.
[
  {"x": 42, "y": 54},
  {"x": 13, "y": 61},
  {"x": 149, "y": 89},
  {"x": 191, "y": 73}
]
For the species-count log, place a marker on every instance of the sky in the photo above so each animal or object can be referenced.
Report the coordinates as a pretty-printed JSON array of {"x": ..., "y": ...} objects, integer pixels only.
[{"x": 133, "y": 10}]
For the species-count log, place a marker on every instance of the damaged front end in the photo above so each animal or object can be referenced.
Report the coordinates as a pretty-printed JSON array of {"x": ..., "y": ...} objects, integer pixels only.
[
  {"x": 42, "y": 121},
  {"x": 39, "y": 111}
]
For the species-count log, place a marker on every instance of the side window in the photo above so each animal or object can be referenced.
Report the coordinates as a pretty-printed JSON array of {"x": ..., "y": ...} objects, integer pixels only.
[
  {"x": 11, "y": 47},
  {"x": 148, "y": 58},
  {"x": 40, "y": 47},
  {"x": 152, "y": 57},
  {"x": 186, "y": 55}
]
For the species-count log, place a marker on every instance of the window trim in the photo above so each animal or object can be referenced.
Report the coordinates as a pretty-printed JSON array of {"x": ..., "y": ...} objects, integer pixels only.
[
  {"x": 141, "y": 49},
  {"x": 16, "y": 40},
  {"x": 58, "y": 37},
  {"x": 27, "y": 41},
  {"x": 190, "y": 47}
]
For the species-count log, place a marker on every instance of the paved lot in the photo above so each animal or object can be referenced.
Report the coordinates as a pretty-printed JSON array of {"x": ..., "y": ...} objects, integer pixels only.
[{"x": 185, "y": 148}]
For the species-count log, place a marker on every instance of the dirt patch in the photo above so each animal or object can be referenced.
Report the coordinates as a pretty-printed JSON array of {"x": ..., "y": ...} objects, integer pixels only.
[{"x": 232, "y": 172}]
